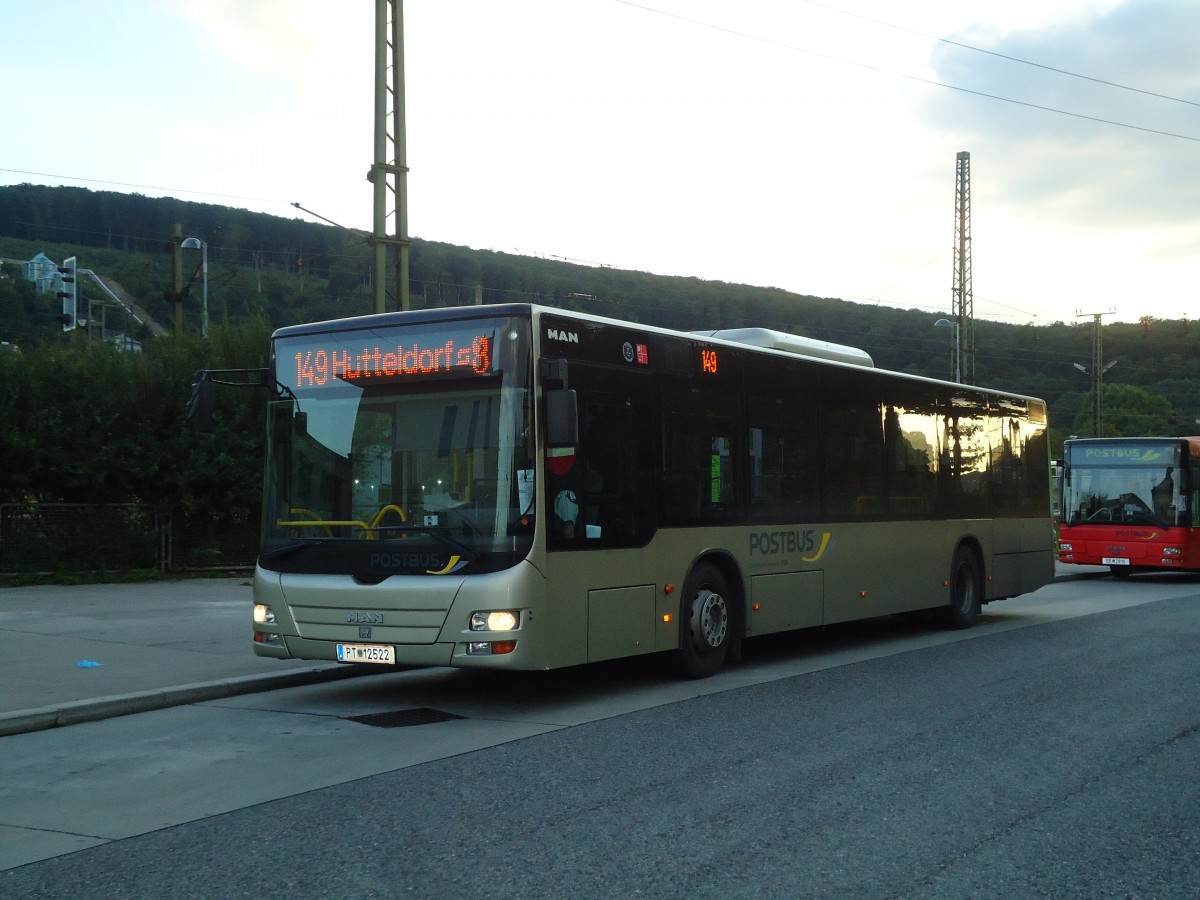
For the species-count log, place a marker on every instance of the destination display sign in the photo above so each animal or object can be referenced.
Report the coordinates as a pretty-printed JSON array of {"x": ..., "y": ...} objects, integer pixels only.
[
  {"x": 1113, "y": 454},
  {"x": 380, "y": 355}
]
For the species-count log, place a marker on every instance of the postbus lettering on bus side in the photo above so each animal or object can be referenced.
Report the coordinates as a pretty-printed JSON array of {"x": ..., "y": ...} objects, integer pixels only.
[{"x": 772, "y": 543}]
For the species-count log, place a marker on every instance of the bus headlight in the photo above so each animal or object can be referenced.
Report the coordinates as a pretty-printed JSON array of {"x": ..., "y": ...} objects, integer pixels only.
[
  {"x": 496, "y": 620},
  {"x": 263, "y": 614},
  {"x": 1172, "y": 551},
  {"x": 1065, "y": 546}
]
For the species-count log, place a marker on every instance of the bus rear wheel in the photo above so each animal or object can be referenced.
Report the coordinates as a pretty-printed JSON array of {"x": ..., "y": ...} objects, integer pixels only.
[
  {"x": 966, "y": 590},
  {"x": 705, "y": 622}
]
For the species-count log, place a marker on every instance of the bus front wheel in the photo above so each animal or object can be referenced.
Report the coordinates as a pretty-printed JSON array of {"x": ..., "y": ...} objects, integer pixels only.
[
  {"x": 705, "y": 622},
  {"x": 966, "y": 590}
]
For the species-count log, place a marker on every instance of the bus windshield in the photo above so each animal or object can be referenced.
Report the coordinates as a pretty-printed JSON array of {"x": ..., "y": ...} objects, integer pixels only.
[
  {"x": 401, "y": 450},
  {"x": 1135, "y": 483}
]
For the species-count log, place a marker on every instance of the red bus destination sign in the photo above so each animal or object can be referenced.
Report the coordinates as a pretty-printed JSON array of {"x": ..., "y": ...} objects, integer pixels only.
[{"x": 319, "y": 366}]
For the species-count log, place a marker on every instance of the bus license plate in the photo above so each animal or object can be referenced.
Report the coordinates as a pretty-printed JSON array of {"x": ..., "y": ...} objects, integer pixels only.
[
  {"x": 1115, "y": 561},
  {"x": 384, "y": 654}
]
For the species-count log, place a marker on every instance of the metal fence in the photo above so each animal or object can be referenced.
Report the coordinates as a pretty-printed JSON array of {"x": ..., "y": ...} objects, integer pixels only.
[{"x": 84, "y": 537}]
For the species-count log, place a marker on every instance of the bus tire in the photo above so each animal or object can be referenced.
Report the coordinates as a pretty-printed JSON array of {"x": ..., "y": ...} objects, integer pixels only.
[
  {"x": 706, "y": 622},
  {"x": 966, "y": 590}
]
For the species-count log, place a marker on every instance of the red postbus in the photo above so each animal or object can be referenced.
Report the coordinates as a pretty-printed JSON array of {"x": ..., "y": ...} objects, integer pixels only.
[{"x": 1130, "y": 504}]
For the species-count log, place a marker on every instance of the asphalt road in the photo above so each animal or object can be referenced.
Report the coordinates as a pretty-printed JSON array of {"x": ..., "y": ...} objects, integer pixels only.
[{"x": 1051, "y": 752}]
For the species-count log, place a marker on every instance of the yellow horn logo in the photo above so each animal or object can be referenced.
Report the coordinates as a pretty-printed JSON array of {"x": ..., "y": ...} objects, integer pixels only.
[
  {"x": 449, "y": 567},
  {"x": 820, "y": 550}
]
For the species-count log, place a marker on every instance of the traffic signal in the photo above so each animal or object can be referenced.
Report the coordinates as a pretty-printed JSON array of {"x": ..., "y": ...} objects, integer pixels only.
[{"x": 69, "y": 295}]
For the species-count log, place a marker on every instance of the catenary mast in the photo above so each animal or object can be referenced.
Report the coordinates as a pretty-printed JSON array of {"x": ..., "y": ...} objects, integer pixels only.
[
  {"x": 963, "y": 303},
  {"x": 389, "y": 171}
]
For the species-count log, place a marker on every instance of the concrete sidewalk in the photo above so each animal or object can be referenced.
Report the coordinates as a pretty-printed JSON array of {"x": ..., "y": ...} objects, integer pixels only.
[{"x": 84, "y": 652}]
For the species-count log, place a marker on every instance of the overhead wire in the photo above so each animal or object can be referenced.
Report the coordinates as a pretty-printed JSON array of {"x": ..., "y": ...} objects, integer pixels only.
[
  {"x": 916, "y": 78},
  {"x": 792, "y": 47},
  {"x": 1016, "y": 59},
  {"x": 148, "y": 187},
  {"x": 948, "y": 41}
]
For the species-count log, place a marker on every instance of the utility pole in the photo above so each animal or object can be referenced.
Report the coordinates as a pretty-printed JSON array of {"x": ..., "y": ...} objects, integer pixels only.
[
  {"x": 1097, "y": 370},
  {"x": 177, "y": 276},
  {"x": 962, "y": 300},
  {"x": 389, "y": 171}
]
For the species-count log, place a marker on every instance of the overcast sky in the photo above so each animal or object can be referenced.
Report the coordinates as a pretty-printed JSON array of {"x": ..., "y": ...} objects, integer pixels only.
[{"x": 803, "y": 145}]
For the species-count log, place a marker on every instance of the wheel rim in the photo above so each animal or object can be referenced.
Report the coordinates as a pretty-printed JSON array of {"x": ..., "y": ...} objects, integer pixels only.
[{"x": 710, "y": 620}]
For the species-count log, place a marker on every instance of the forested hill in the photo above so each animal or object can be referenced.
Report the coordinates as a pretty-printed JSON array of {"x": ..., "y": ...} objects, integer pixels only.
[{"x": 286, "y": 270}]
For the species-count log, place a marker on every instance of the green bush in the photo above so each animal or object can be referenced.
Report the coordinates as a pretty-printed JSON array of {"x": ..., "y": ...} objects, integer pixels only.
[{"x": 85, "y": 423}]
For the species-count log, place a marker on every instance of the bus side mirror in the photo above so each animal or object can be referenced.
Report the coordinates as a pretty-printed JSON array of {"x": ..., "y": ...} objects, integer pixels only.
[{"x": 562, "y": 418}]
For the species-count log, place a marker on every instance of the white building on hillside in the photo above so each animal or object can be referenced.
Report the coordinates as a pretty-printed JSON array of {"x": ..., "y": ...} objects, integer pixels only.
[{"x": 43, "y": 272}]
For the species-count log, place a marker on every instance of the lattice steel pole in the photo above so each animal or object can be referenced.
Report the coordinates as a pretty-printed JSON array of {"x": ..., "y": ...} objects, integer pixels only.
[
  {"x": 1097, "y": 370},
  {"x": 963, "y": 302},
  {"x": 389, "y": 171}
]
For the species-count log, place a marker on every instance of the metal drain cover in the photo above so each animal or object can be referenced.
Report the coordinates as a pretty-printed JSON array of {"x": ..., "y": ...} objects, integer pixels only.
[{"x": 403, "y": 718}]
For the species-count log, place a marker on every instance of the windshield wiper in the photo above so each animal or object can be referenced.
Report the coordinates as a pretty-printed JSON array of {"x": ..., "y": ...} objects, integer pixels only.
[
  {"x": 437, "y": 532},
  {"x": 286, "y": 550},
  {"x": 1144, "y": 519}
]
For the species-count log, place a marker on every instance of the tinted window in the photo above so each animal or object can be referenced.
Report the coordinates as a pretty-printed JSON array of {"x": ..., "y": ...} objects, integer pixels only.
[
  {"x": 852, "y": 445},
  {"x": 605, "y": 497},
  {"x": 910, "y": 451},
  {"x": 704, "y": 467},
  {"x": 782, "y": 440}
]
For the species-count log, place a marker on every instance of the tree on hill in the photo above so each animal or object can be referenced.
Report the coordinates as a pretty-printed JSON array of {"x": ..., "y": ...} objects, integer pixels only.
[
  {"x": 1129, "y": 411},
  {"x": 284, "y": 271}
]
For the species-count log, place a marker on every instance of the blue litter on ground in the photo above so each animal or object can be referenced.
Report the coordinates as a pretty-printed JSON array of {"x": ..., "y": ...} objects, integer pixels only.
[{"x": 88, "y": 664}]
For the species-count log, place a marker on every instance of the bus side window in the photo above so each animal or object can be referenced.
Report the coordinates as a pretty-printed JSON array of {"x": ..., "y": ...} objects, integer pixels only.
[
  {"x": 699, "y": 483},
  {"x": 783, "y": 446},
  {"x": 701, "y": 470},
  {"x": 910, "y": 455},
  {"x": 783, "y": 477},
  {"x": 605, "y": 495},
  {"x": 964, "y": 464},
  {"x": 852, "y": 452}
]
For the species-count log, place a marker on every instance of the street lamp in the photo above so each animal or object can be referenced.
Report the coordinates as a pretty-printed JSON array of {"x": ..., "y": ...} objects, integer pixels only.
[
  {"x": 193, "y": 244},
  {"x": 946, "y": 323}
]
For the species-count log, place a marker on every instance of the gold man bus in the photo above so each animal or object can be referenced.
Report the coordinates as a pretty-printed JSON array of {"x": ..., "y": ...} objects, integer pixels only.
[{"x": 521, "y": 487}]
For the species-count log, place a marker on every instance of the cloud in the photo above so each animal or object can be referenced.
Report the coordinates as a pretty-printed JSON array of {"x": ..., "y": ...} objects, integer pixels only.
[
  {"x": 1073, "y": 170},
  {"x": 294, "y": 82},
  {"x": 285, "y": 39}
]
